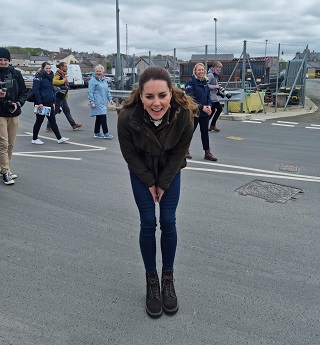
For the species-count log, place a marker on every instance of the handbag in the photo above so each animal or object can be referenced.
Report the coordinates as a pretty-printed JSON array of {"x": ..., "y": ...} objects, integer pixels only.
[
  {"x": 60, "y": 92},
  {"x": 30, "y": 96}
]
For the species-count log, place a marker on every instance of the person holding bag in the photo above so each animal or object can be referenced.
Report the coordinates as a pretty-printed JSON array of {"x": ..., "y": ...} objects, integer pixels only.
[
  {"x": 44, "y": 95},
  {"x": 60, "y": 81}
]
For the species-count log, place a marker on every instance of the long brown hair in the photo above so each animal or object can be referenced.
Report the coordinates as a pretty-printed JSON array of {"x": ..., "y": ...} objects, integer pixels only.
[{"x": 179, "y": 98}]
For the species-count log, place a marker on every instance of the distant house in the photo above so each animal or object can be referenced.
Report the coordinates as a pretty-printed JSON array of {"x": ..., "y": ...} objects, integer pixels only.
[
  {"x": 20, "y": 60},
  {"x": 64, "y": 57},
  {"x": 38, "y": 60}
]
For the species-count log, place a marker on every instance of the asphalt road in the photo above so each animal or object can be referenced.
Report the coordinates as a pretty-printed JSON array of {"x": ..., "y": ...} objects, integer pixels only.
[{"x": 247, "y": 269}]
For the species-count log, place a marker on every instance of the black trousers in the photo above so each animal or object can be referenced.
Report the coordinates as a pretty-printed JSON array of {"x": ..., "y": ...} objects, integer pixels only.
[
  {"x": 52, "y": 121},
  {"x": 203, "y": 124},
  {"x": 216, "y": 108},
  {"x": 101, "y": 121}
]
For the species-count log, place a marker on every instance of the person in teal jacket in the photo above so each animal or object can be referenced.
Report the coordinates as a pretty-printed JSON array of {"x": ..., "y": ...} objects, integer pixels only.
[{"x": 99, "y": 96}]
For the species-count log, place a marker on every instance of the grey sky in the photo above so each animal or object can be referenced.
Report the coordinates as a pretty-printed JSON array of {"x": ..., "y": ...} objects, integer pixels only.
[{"x": 157, "y": 25}]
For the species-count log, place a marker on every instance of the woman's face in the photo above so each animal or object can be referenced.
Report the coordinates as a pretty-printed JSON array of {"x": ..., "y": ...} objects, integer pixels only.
[
  {"x": 156, "y": 97},
  {"x": 99, "y": 73},
  {"x": 199, "y": 72},
  {"x": 47, "y": 68}
]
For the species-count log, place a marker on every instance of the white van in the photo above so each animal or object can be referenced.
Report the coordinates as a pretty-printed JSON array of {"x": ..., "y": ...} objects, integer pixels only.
[{"x": 74, "y": 75}]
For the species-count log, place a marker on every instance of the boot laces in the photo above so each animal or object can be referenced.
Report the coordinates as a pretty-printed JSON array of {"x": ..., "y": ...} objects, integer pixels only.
[
  {"x": 168, "y": 287},
  {"x": 153, "y": 288}
]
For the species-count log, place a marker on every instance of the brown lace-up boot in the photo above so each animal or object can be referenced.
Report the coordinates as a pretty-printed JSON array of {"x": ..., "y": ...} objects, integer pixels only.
[
  {"x": 153, "y": 300},
  {"x": 208, "y": 156},
  {"x": 169, "y": 297}
]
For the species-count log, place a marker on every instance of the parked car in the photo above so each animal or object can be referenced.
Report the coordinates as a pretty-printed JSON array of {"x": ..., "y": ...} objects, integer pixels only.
[
  {"x": 28, "y": 80},
  {"x": 86, "y": 77}
]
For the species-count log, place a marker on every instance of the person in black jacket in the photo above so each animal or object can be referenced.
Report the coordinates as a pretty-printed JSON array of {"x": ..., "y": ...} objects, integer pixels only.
[
  {"x": 155, "y": 128},
  {"x": 198, "y": 89},
  {"x": 13, "y": 95},
  {"x": 45, "y": 97}
]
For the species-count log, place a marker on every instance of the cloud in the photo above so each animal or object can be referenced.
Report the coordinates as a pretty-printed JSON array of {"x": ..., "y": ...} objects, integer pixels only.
[{"x": 158, "y": 26}]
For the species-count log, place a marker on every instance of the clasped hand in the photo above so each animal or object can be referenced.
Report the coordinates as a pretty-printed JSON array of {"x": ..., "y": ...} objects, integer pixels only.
[
  {"x": 207, "y": 109},
  {"x": 156, "y": 193}
]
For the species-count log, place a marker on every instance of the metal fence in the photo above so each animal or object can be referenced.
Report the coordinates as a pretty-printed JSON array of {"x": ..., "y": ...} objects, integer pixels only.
[{"x": 263, "y": 59}]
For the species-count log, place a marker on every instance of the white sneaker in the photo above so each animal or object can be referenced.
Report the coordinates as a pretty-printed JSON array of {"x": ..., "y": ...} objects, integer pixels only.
[
  {"x": 62, "y": 140},
  {"x": 37, "y": 142}
]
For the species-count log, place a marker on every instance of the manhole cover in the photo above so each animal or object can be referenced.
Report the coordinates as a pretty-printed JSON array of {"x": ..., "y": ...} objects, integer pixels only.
[
  {"x": 289, "y": 167},
  {"x": 271, "y": 192}
]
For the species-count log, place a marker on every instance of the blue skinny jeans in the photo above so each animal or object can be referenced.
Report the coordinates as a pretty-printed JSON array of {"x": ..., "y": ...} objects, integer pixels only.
[{"x": 148, "y": 222}]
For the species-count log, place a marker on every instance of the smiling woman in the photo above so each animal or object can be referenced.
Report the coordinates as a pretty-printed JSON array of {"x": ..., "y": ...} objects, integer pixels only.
[{"x": 155, "y": 128}]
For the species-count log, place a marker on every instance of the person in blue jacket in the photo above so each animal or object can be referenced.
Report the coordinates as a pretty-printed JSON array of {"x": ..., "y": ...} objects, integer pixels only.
[
  {"x": 198, "y": 89},
  {"x": 44, "y": 94},
  {"x": 99, "y": 96}
]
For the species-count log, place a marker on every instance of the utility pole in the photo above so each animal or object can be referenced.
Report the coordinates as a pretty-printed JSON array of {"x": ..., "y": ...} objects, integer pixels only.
[
  {"x": 126, "y": 39},
  {"x": 117, "y": 74},
  {"x": 215, "y": 37}
]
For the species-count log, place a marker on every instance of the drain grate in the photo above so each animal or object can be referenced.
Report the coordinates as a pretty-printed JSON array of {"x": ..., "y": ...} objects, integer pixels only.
[
  {"x": 289, "y": 167},
  {"x": 271, "y": 192}
]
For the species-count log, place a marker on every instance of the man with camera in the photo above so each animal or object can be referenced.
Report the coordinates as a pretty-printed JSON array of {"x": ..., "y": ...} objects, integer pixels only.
[
  {"x": 60, "y": 81},
  {"x": 13, "y": 95},
  {"x": 215, "y": 90}
]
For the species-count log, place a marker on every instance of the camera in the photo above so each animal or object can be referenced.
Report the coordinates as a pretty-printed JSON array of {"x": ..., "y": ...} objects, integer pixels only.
[
  {"x": 6, "y": 84},
  {"x": 222, "y": 92},
  {"x": 7, "y": 105}
]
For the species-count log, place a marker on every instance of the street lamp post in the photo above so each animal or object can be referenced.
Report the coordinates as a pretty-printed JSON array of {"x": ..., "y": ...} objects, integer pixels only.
[
  {"x": 117, "y": 74},
  {"x": 215, "y": 36}
]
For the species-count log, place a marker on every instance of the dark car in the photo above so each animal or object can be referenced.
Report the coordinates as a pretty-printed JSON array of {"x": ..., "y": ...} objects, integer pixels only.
[{"x": 86, "y": 77}]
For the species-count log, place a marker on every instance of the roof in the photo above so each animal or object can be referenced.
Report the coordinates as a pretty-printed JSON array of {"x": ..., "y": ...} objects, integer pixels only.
[
  {"x": 212, "y": 57},
  {"x": 39, "y": 58}
]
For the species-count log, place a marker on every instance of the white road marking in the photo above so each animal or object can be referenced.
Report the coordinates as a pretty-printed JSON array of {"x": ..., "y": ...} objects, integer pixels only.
[
  {"x": 313, "y": 127},
  {"x": 289, "y": 122},
  {"x": 250, "y": 121},
  {"x": 264, "y": 172},
  {"x": 43, "y": 156},
  {"x": 40, "y": 154},
  {"x": 282, "y": 124},
  {"x": 253, "y": 174}
]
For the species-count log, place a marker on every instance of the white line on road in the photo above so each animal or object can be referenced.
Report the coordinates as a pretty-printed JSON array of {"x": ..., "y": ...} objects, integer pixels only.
[
  {"x": 282, "y": 124},
  {"x": 256, "y": 170},
  {"x": 251, "y": 121},
  {"x": 313, "y": 127},
  {"x": 71, "y": 142},
  {"x": 253, "y": 174},
  {"x": 62, "y": 151},
  {"x": 289, "y": 122},
  {"x": 43, "y": 156}
]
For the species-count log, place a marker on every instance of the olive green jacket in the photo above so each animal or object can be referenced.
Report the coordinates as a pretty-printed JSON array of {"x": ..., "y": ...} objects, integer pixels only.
[{"x": 155, "y": 154}]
